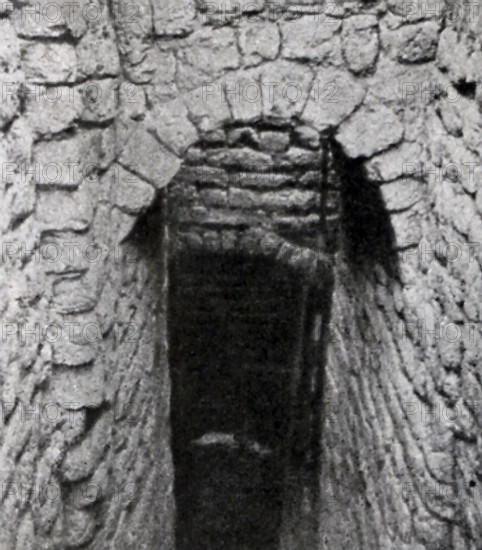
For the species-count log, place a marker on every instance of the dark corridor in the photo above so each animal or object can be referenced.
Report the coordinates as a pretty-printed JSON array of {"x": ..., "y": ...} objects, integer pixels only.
[{"x": 233, "y": 339}]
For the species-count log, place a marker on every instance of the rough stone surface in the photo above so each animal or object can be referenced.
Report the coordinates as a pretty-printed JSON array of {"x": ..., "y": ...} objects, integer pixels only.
[
  {"x": 360, "y": 42},
  {"x": 369, "y": 131},
  {"x": 334, "y": 96},
  {"x": 49, "y": 63},
  {"x": 202, "y": 104},
  {"x": 162, "y": 165},
  {"x": 306, "y": 38},
  {"x": 259, "y": 42},
  {"x": 417, "y": 43}
]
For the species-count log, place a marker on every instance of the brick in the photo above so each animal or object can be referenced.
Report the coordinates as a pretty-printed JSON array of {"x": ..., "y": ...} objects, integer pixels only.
[
  {"x": 300, "y": 158},
  {"x": 216, "y": 217},
  {"x": 279, "y": 201},
  {"x": 243, "y": 158}
]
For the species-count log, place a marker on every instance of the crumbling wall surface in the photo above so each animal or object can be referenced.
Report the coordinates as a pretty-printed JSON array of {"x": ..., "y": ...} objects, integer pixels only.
[{"x": 99, "y": 105}]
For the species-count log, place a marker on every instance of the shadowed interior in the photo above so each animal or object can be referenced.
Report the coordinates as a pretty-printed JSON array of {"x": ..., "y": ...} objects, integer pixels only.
[{"x": 233, "y": 330}]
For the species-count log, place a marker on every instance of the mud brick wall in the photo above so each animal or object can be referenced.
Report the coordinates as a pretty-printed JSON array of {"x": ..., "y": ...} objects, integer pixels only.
[{"x": 407, "y": 81}]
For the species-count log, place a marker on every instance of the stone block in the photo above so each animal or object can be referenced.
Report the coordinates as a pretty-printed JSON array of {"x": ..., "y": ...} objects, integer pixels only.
[
  {"x": 308, "y": 37},
  {"x": 59, "y": 163},
  {"x": 11, "y": 75},
  {"x": 243, "y": 92},
  {"x": 285, "y": 87},
  {"x": 81, "y": 461},
  {"x": 10, "y": 102},
  {"x": 68, "y": 351},
  {"x": 75, "y": 296},
  {"x": 66, "y": 162},
  {"x": 360, "y": 43},
  {"x": 65, "y": 253},
  {"x": 416, "y": 10},
  {"x": 52, "y": 109},
  {"x": 49, "y": 63},
  {"x": 334, "y": 96},
  {"x": 129, "y": 192},
  {"x": 395, "y": 163},
  {"x": 206, "y": 56},
  {"x": 417, "y": 43},
  {"x": 172, "y": 126},
  {"x": 401, "y": 194},
  {"x": 162, "y": 85},
  {"x": 406, "y": 228},
  {"x": 452, "y": 55},
  {"x": 98, "y": 99},
  {"x": 307, "y": 137},
  {"x": 173, "y": 17},
  {"x": 258, "y": 41},
  {"x": 79, "y": 388},
  {"x": 97, "y": 52},
  {"x": 207, "y": 106},
  {"x": 9, "y": 48},
  {"x": 369, "y": 131},
  {"x": 60, "y": 210},
  {"x": 120, "y": 225},
  {"x": 79, "y": 527},
  {"x": 146, "y": 157}
]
